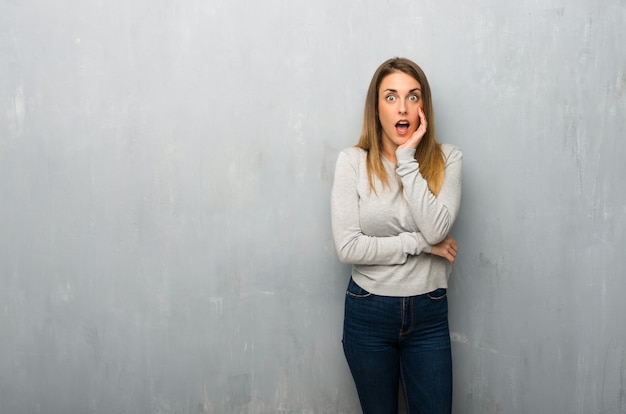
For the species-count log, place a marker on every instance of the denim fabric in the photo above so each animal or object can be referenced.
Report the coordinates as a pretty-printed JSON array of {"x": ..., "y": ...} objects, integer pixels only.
[{"x": 399, "y": 341}]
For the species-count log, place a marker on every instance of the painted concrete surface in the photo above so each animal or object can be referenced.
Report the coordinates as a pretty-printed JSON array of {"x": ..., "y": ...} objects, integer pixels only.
[{"x": 165, "y": 169}]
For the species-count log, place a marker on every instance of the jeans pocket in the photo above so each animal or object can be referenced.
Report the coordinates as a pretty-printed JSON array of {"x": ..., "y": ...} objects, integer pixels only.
[
  {"x": 437, "y": 295},
  {"x": 356, "y": 291}
]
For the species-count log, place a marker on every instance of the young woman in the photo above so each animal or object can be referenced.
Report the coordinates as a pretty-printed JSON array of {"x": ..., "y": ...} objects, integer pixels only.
[{"x": 394, "y": 200}]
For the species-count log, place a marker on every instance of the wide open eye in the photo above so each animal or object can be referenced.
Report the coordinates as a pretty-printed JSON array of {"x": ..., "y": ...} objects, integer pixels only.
[
  {"x": 390, "y": 98},
  {"x": 414, "y": 98}
]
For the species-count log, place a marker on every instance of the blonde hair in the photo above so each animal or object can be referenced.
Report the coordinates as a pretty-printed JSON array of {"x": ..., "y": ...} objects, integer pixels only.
[{"x": 428, "y": 154}]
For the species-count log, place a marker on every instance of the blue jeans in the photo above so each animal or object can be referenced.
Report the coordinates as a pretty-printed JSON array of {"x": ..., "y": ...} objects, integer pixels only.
[{"x": 399, "y": 341}]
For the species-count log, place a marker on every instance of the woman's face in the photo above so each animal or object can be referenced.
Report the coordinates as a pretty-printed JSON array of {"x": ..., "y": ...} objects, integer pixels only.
[{"x": 399, "y": 100}]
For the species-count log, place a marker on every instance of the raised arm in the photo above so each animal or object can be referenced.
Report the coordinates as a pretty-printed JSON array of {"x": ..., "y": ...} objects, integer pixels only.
[{"x": 434, "y": 215}]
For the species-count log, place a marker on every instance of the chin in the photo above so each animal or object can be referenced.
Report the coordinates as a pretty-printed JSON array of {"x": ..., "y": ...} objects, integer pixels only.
[{"x": 402, "y": 141}]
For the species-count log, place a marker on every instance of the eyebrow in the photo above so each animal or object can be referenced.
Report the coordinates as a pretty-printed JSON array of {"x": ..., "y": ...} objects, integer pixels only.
[{"x": 395, "y": 91}]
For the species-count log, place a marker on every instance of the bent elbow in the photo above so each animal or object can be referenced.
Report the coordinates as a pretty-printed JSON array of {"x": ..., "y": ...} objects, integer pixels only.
[
  {"x": 434, "y": 240},
  {"x": 437, "y": 234},
  {"x": 345, "y": 254},
  {"x": 439, "y": 229}
]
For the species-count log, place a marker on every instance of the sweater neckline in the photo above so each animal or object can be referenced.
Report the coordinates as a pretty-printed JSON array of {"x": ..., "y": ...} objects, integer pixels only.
[{"x": 389, "y": 163}]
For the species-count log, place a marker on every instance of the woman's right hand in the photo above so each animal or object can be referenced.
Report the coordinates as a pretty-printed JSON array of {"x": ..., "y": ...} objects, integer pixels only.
[{"x": 447, "y": 249}]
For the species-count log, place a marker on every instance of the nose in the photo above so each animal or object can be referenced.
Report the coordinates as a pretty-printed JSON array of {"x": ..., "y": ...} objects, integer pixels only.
[{"x": 402, "y": 107}]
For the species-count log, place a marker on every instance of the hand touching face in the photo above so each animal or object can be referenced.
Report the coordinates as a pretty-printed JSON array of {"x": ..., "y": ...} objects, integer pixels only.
[{"x": 400, "y": 112}]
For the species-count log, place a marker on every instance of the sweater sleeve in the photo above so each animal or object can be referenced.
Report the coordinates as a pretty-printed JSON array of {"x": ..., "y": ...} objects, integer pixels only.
[
  {"x": 352, "y": 245},
  {"x": 434, "y": 215}
]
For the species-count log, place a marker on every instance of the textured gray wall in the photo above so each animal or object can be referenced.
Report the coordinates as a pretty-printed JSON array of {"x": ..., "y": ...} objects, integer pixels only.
[{"x": 165, "y": 169}]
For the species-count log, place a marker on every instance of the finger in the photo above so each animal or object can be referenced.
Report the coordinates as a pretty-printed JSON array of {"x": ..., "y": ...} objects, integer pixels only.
[
  {"x": 422, "y": 116},
  {"x": 449, "y": 244},
  {"x": 421, "y": 129}
]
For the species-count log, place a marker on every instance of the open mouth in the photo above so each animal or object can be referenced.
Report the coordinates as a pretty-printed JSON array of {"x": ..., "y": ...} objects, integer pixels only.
[{"x": 402, "y": 127}]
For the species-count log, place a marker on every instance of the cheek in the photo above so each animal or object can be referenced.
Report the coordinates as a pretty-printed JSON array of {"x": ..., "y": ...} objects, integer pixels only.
[
  {"x": 419, "y": 120},
  {"x": 384, "y": 117}
]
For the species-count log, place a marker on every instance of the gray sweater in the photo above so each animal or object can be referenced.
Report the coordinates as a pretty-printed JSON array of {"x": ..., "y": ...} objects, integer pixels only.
[{"x": 387, "y": 236}]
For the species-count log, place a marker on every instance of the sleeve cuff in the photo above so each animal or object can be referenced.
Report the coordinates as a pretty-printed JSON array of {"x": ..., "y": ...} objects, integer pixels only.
[
  {"x": 415, "y": 243},
  {"x": 405, "y": 154}
]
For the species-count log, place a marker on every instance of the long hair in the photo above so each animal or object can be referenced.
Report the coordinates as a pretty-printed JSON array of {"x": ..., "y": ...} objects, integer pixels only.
[{"x": 428, "y": 154}]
